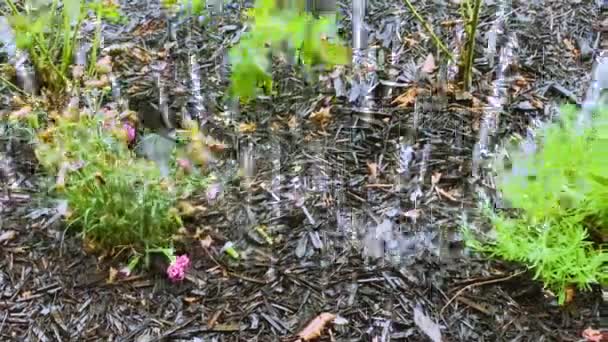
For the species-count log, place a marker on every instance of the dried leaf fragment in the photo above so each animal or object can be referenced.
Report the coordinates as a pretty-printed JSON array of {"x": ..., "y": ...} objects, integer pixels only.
[
  {"x": 429, "y": 64},
  {"x": 112, "y": 275},
  {"x": 426, "y": 325},
  {"x": 322, "y": 117},
  {"x": 315, "y": 327},
  {"x": 8, "y": 235},
  {"x": 247, "y": 128},
  {"x": 406, "y": 99}
]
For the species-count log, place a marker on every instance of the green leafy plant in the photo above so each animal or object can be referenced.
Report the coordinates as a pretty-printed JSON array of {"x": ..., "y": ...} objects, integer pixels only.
[
  {"x": 113, "y": 197},
  {"x": 50, "y": 33},
  {"x": 271, "y": 28},
  {"x": 470, "y": 10},
  {"x": 560, "y": 195}
]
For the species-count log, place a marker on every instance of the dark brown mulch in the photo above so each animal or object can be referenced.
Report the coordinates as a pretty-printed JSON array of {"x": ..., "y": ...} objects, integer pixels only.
[{"x": 323, "y": 257}]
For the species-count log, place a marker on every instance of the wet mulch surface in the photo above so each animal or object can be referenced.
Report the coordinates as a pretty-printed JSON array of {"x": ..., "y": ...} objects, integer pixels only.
[{"x": 321, "y": 193}]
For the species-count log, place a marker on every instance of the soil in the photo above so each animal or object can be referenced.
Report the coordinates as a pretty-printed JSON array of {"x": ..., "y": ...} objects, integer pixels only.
[{"x": 322, "y": 258}]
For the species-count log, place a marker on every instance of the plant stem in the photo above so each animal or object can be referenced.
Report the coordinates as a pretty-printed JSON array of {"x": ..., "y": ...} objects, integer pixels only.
[
  {"x": 473, "y": 22},
  {"x": 429, "y": 30},
  {"x": 96, "y": 41}
]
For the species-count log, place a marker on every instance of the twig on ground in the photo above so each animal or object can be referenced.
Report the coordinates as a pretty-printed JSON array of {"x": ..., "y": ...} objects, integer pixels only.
[{"x": 487, "y": 282}]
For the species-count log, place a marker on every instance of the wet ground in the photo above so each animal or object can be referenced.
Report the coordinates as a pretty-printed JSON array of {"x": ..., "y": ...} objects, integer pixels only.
[{"x": 321, "y": 189}]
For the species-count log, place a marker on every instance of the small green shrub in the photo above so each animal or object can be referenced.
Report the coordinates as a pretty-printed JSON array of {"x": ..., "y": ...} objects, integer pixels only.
[
  {"x": 560, "y": 195},
  {"x": 113, "y": 198},
  {"x": 50, "y": 34},
  {"x": 271, "y": 26}
]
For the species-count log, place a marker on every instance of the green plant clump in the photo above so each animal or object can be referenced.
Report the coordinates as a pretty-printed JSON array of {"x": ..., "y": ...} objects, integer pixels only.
[
  {"x": 271, "y": 27},
  {"x": 560, "y": 193},
  {"x": 114, "y": 198},
  {"x": 49, "y": 33}
]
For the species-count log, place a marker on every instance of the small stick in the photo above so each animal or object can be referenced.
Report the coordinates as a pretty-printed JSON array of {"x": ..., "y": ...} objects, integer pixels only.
[{"x": 487, "y": 282}]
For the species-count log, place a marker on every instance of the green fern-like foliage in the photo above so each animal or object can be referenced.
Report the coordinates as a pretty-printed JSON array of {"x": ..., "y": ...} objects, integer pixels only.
[
  {"x": 271, "y": 26},
  {"x": 561, "y": 195}
]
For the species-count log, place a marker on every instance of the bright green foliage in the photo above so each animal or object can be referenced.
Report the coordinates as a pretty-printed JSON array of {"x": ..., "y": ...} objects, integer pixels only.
[
  {"x": 49, "y": 34},
  {"x": 561, "y": 193},
  {"x": 272, "y": 26},
  {"x": 114, "y": 198}
]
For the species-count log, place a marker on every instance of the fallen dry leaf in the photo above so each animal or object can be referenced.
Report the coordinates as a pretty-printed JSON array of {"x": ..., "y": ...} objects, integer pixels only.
[
  {"x": 413, "y": 214},
  {"x": 406, "y": 99},
  {"x": 592, "y": 335},
  {"x": 8, "y": 235},
  {"x": 314, "y": 329},
  {"x": 322, "y": 117},
  {"x": 372, "y": 169},
  {"x": 293, "y": 122},
  {"x": 247, "y": 128},
  {"x": 426, "y": 325},
  {"x": 451, "y": 195},
  {"x": 429, "y": 64},
  {"x": 207, "y": 242},
  {"x": 569, "y": 294},
  {"x": 435, "y": 177}
]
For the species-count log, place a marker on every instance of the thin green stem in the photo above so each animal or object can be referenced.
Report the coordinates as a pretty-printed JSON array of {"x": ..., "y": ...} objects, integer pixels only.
[
  {"x": 429, "y": 30},
  {"x": 473, "y": 22}
]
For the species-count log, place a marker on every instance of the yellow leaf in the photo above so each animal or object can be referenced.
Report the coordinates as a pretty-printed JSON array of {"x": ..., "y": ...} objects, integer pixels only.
[{"x": 247, "y": 128}]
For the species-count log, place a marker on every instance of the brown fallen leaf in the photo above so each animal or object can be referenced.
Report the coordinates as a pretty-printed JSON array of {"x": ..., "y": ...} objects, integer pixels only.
[
  {"x": 569, "y": 294},
  {"x": 406, "y": 99},
  {"x": 451, "y": 195},
  {"x": 429, "y": 64},
  {"x": 322, "y": 117},
  {"x": 8, "y": 235},
  {"x": 314, "y": 329}
]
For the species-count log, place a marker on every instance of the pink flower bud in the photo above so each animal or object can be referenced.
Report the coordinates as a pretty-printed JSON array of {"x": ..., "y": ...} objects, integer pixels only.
[{"x": 130, "y": 132}]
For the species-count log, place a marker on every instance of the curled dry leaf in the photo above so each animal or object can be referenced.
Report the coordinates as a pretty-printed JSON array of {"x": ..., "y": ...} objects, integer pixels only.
[
  {"x": 314, "y": 329},
  {"x": 406, "y": 99},
  {"x": 322, "y": 117}
]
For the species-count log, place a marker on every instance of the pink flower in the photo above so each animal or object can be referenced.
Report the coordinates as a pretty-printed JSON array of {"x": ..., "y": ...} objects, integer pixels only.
[
  {"x": 185, "y": 165},
  {"x": 175, "y": 273},
  {"x": 177, "y": 270},
  {"x": 184, "y": 261},
  {"x": 130, "y": 132}
]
